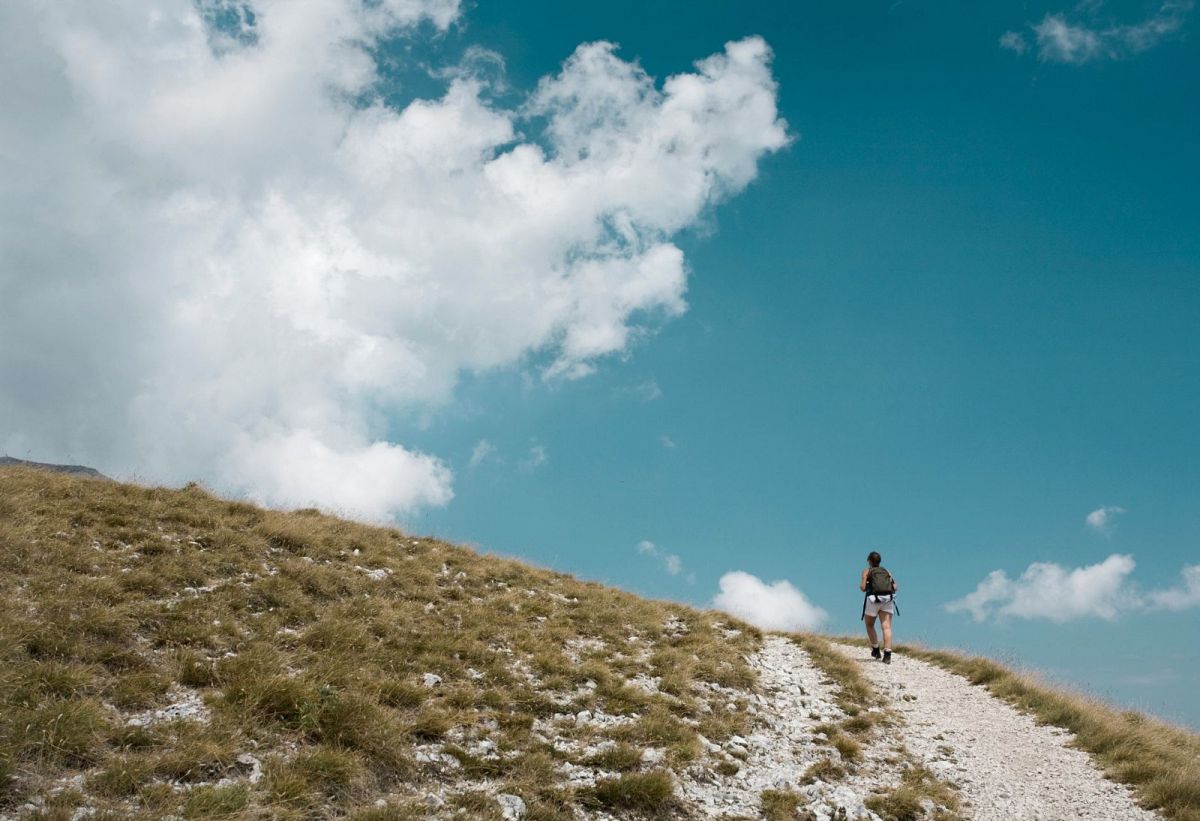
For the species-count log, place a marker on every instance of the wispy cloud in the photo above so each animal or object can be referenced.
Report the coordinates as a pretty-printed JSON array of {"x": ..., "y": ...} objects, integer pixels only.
[
  {"x": 1049, "y": 591},
  {"x": 1014, "y": 41},
  {"x": 477, "y": 64},
  {"x": 1075, "y": 38},
  {"x": 671, "y": 562},
  {"x": 667, "y": 442},
  {"x": 482, "y": 450},
  {"x": 1102, "y": 519},
  {"x": 538, "y": 456},
  {"x": 775, "y": 606},
  {"x": 647, "y": 391},
  {"x": 1152, "y": 678}
]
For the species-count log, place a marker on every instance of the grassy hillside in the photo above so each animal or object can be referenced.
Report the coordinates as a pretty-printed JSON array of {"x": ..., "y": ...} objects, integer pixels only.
[{"x": 171, "y": 653}]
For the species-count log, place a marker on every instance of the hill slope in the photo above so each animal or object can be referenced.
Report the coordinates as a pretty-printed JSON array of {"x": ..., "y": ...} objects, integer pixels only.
[
  {"x": 168, "y": 653},
  {"x": 73, "y": 470}
]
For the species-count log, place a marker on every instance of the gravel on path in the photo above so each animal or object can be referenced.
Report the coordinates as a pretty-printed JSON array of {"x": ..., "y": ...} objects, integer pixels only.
[
  {"x": 1005, "y": 764},
  {"x": 795, "y": 697}
]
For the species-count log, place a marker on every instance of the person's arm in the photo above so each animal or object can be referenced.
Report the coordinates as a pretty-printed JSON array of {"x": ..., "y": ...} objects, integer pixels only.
[{"x": 862, "y": 583}]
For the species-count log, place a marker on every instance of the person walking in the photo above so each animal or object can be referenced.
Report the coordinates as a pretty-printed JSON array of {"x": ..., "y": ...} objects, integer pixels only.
[{"x": 879, "y": 589}]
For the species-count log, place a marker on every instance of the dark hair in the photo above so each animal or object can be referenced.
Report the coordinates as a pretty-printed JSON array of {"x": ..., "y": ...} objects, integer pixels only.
[{"x": 873, "y": 559}]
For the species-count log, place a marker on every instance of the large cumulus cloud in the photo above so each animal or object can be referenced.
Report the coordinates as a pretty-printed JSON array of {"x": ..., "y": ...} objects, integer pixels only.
[{"x": 223, "y": 256}]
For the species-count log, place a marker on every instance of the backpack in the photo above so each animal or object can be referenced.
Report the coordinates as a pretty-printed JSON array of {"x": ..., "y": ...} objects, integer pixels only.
[{"x": 880, "y": 581}]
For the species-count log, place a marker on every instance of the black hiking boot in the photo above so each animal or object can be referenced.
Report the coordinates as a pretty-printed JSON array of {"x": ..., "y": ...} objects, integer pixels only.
[
  {"x": 874, "y": 652},
  {"x": 887, "y": 656}
]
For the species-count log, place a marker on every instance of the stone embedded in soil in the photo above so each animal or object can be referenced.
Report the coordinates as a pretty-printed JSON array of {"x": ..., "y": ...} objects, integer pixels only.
[
  {"x": 186, "y": 705},
  {"x": 512, "y": 807}
]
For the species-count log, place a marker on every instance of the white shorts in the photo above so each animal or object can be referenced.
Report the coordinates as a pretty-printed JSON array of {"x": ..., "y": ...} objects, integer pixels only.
[{"x": 884, "y": 605}]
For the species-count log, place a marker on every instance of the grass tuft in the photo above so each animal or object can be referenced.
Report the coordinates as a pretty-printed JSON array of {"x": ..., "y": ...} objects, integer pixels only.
[
  {"x": 918, "y": 787},
  {"x": 619, "y": 758},
  {"x": 215, "y": 802},
  {"x": 779, "y": 805},
  {"x": 650, "y": 794},
  {"x": 825, "y": 769}
]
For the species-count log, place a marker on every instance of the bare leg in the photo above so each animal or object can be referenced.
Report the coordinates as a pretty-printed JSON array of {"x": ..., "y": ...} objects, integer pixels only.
[
  {"x": 871, "y": 631},
  {"x": 885, "y": 621}
]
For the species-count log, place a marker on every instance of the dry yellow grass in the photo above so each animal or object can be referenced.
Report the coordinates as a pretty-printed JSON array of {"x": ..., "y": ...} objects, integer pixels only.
[{"x": 307, "y": 642}]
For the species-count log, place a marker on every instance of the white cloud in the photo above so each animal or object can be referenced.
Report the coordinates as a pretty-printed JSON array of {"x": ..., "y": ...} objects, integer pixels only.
[
  {"x": 1060, "y": 42},
  {"x": 226, "y": 258},
  {"x": 1102, "y": 519},
  {"x": 297, "y": 469},
  {"x": 667, "y": 442},
  {"x": 1050, "y": 591},
  {"x": 1014, "y": 41},
  {"x": 1075, "y": 38},
  {"x": 538, "y": 456},
  {"x": 482, "y": 450},
  {"x": 1183, "y": 596},
  {"x": 647, "y": 391},
  {"x": 775, "y": 606},
  {"x": 671, "y": 562}
]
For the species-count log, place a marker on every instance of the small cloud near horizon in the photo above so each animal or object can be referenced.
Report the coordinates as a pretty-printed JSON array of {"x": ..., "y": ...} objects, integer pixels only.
[
  {"x": 1103, "y": 519},
  {"x": 671, "y": 562},
  {"x": 1049, "y": 591},
  {"x": 775, "y": 606}
]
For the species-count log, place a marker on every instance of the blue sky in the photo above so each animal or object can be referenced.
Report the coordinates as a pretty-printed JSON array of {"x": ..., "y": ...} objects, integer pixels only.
[
  {"x": 954, "y": 317},
  {"x": 451, "y": 265}
]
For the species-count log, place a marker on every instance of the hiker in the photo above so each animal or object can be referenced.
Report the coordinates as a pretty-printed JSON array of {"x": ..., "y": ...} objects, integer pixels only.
[{"x": 879, "y": 589}]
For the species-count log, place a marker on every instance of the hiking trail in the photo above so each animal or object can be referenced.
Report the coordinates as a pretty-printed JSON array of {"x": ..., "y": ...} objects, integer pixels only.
[
  {"x": 1005, "y": 764},
  {"x": 1002, "y": 764}
]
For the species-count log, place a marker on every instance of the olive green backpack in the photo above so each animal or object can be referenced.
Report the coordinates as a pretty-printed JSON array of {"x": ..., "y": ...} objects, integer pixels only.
[{"x": 879, "y": 581}]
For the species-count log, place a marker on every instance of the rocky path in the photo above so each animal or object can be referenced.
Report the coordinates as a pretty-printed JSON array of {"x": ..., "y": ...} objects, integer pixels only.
[
  {"x": 795, "y": 698},
  {"x": 1005, "y": 765}
]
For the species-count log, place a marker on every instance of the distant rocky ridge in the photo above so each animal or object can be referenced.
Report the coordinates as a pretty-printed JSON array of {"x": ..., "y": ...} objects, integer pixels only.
[{"x": 73, "y": 470}]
